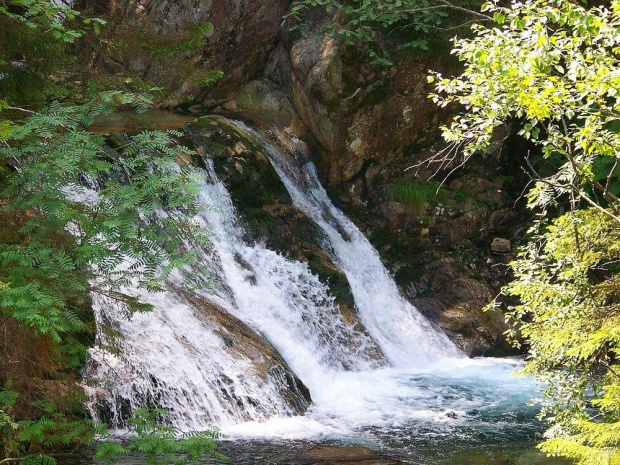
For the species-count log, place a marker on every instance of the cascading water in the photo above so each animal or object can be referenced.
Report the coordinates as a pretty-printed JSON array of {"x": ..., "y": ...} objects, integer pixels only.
[
  {"x": 405, "y": 336},
  {"x": 429, "y": 387},
  {"x": 282, "y": 299},
  {"x": 174, "y": 357},
  {"x": 399, "y": 377}
]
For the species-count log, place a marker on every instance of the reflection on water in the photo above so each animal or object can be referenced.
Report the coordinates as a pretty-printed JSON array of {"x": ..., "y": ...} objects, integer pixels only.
[
  {"x": 132, "y": 122},
  {"x": 437, "y": 453}
]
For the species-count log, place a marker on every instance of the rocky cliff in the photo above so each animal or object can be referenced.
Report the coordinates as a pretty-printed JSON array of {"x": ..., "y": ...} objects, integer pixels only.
[{"x": 369, "y": 129}]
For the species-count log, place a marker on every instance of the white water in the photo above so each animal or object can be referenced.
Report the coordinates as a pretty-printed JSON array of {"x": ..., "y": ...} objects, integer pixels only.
[
  {"x": 282, "y": 299},
  {"x": 405, "y": 336},
  {"x": 430, "y": 383},
  {"x": 174, "y": 357},
  {"x": 177, "y": 357},
  {"x": 460, "y": 399}
]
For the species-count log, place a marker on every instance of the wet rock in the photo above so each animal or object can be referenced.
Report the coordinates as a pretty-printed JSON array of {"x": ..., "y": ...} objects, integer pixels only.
[
  {"x": 500, "y": 245},
  {"x": 244, "y": 343},
  {"x": 396, "y": 214},
  {"x": 231, "y": 105},
  {"x": 446, "y": 293},
  {"x": 261, "y": 102},
  {"x": 330, "y": 455}
]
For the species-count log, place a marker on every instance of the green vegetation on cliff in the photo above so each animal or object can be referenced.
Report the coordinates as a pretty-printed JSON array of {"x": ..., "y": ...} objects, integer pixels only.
[
  {"x": 414, "y": 22},
  {"x": 552, "y": 67}
]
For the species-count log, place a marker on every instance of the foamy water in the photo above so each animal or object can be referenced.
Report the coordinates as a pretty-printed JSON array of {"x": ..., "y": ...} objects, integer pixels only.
[
  {"x": 457, "y": 394},
  {"x": 406, "y": 337}
]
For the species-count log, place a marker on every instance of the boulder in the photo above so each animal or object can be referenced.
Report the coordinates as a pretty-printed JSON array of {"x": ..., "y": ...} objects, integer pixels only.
[
  {"x": 446, "y": 293},
  {"x": 500, "y": 245}
]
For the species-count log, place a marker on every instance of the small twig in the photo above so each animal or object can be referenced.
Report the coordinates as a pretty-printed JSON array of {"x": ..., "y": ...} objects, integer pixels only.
[
  {"x": 25, "y": 111},
  {"x": 466, "y": 10},
  {"x": 609, "y": 176}
]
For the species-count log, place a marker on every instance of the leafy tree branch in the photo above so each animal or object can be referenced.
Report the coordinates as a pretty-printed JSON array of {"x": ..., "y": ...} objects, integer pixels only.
[{"x": 552, "y": 68}]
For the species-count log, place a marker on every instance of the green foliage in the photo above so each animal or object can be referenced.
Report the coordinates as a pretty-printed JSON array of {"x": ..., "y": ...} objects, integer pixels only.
[
  {"x": 26, "y": 440},
  {"x": 568, "y": 286},
  {"x": 33, "y": 44},
  {"x": 359, "y": 20},
  {"x": 81, "y": 214},
  {"x": 552, "y": 65},
  {"x": 211, "y": 78},
  {"x": 188, "y": 39},
  {"x": 412, "y": 193},
  {"x": 69, "y": 240},
  {"x": 160, "y": 443},
  {"x": 197, "y": 41},
  {"x": 35, "y": 14},
  {"x": 120, "y": 224}
]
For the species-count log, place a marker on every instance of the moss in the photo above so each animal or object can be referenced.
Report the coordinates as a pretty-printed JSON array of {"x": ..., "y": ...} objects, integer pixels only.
[
  {"x": 380, "y": 238},
  {"x": 337, "y": 281},
  {"x": 461, "y": 196},
  {"x": 475, "y": 274},
  {"x": 460, "y": 267},
  {"x": 416, "y": 194},
  {"x": 407, "y": 275},
  {"x": 253, "y": 94}
]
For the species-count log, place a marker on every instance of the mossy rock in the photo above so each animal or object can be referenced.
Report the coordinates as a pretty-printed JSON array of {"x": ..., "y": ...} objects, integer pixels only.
[
  {"x": 407, "y": 275},
  {"x": 240, "y": 162}
]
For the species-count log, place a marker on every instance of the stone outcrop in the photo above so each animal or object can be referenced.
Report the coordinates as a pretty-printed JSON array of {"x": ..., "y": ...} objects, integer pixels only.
[
  {"x": 244, "y": 343},
  {"x": 167, "y": 43},
  {"x": 500, "y": 245},
  {"x": 369, "y": 127}
]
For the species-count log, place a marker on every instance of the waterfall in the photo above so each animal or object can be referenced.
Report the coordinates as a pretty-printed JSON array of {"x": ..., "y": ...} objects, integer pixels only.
[
  {"x": 176, "y": 356},
  {"x": 187, "y": 357},
  {"x": 405, "y": 336},
  {"x": 243, "y": 349},
  {"x": 282, "y": 299}
]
